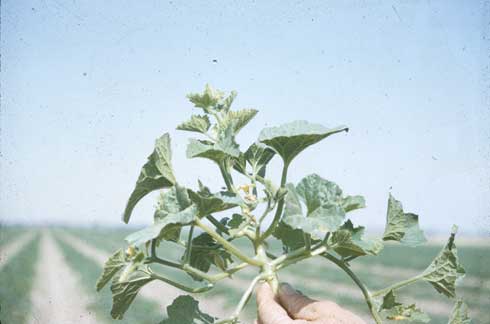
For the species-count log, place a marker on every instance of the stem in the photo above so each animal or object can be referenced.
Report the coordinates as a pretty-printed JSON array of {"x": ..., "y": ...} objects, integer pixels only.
[
  {"x": 359, "y": 283},
  {"x": 246, "y": 296},
  {"x": 287, "y": 256},
  {"x": 214, "y": 278},
  {"x": 267, "y": 210},
  {"x": 188, "y": 249},
  {"x": 395, "y": 286},
  {"x": 153, "y": 248},
  {"x": 154, "y": 258},
  {"x": 163, "y": 262},
  {"x": 280, "y": 206},
  {"x": 306, "y": 254},
  {"x": 217, "y": 224},
  {"x": 227, "y": 245},
  {"x": 226, "y": 177},
  {"x": 307, "y": 238},
  {"x": 181, "y": 286}
]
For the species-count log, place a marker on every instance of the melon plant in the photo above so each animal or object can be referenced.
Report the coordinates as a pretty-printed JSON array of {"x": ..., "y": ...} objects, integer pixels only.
[{"x": 310, "y": 219}]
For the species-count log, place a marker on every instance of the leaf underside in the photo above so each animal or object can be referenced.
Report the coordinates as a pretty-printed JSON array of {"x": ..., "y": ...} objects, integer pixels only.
[
  {"x": 112, "y": 266},
  {"x": 445, "y": 270},
  {"x": 290, "y": 139},
  {"x": 123, "y": 293}
]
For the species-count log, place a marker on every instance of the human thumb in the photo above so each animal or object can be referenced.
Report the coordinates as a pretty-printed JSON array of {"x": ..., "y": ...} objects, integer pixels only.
[{"x": 294, "y": 302}]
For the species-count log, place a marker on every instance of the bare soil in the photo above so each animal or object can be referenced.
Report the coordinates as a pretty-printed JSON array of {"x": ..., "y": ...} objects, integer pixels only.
[{"x": 57, "y": 297}]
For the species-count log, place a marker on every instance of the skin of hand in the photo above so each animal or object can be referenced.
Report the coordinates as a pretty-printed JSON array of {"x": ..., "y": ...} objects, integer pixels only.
[{"x": 292, "y": 307}]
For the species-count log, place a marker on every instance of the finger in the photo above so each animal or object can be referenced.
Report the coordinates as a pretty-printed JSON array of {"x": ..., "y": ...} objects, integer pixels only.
[
  {"x": 296, "y": 304},
  {"x": 269, "y": 311},
  {"x": 301, "y": 307}
]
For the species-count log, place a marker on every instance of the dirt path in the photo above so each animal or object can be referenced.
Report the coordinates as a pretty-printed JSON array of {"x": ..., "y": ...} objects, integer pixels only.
[
  {"x": 159, "y": 292},
  {"x": 57, "y": 296},
  {"x": 12, "y": 248}
]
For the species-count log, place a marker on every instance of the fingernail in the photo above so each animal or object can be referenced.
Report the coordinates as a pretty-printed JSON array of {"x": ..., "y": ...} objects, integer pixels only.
[{"x": 287, "y": 289}]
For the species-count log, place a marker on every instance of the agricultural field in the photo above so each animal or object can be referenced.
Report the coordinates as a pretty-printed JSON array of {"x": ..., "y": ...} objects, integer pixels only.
[{"x": 48, "y": 275}]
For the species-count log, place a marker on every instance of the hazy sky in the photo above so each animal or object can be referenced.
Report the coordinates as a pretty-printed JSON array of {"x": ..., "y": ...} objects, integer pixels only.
[{"x": 88, "y": 85}]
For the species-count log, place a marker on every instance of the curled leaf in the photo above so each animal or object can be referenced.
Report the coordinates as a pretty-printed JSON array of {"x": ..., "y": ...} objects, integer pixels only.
[
  {"x": 395, "y": 311},
  {"x": 459, "y": 314},
  {"x": 166, "y": 226},
  {"x": 224, "y": 148},
  {"x": 185, "y": 310},
  {"x": 348, "y": 241},
  {"x": 197, "y": 123},
  {"x": 402, "y": 227},
  {"x": 112, "y": 266},
  {"x": 124, "y": 291},
  {"x": 208, "y": 203},
  {"x": 445, "y": 270},
  {"x": 156, "y": 174},
  {"x": 238, "y": 119},
  {"x": 206, "y": 252}
]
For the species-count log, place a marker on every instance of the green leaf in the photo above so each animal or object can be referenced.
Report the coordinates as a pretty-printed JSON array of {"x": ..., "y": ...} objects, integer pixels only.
[
  {"x": 156, "y": 174},
  {"x": 185, "y": 310},
  {"x": 290, "y": 139},
  {"x": 348, "y": 241},
  {"x": 394, "y": 311},
  {"x": 172, "y": 201},
  {"x": 225, "y": 147},
  {"x": 258, "y": 156},
  {"x": 389, "y": 301},
  {"x": 206, "y": 252},
  {"x": 238, "y": 119},
  {"x": 112, "y": 266},
  {"x": 197, "y": 123},
  {"x": 226, "y": 104},
  {"x": 208, "y": 204},
  {"x": 210, "y": 150},
  {"x": 445, "y": 270},
  {"x": 325, "y": 219},
  {"x": 164, "y": 226},
  {"x": 125, "y": 291},
  {"x": 459, "y": 315},
  {"x": 208, "y": 99},
  {"x": 291, "y": 238},
  {"x": 350, "y": 203},
  {"x": 402, "y": 227},
  {"x": 235, "y": 221},
  {"x": 324, "y": 203},
  {"x": 292, "y": 204},
  {"x": 174, "y": 209},
  {"x": 316, "y": 192}
]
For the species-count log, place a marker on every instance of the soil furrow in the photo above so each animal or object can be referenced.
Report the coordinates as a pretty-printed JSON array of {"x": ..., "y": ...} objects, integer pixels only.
[
  {"x": 156, "y": 291},
  {"x": 57, "y": 296},
  {"x": 12, "y": 248}
]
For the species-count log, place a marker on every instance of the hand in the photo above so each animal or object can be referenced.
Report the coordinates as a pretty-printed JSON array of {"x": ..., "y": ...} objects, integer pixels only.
[{"x": 291, "y": 307}]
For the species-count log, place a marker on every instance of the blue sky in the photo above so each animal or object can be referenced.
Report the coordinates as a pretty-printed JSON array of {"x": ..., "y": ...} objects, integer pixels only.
[{"x": 88, "y": 85}]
